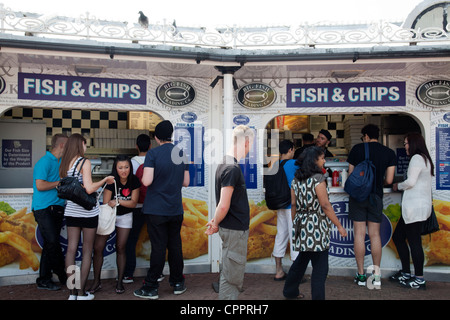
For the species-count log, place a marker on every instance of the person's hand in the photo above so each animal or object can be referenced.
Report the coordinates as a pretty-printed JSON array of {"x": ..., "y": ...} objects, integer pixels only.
[
  {"x": 211, "y": 227},
  {"x": 395, "y": 187},
  {"x": 342, "y": 231},
  {"x": 109, "y": 180},
  {"x": 112, "y": 203}
]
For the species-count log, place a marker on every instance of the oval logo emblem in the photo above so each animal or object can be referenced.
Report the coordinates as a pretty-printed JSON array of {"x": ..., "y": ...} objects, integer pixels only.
[
  {"x": 256, "y": 96},
  {"x": 189, "y": 117},
  {"x": 447, "y": 117},
  {"x": 2, "y": 85},
  {"x": 175, "y": 93},
  {"x": 434, "y": 93},
  {"x": 343, "y": 247},
  {"x": 241, "y": 119}
]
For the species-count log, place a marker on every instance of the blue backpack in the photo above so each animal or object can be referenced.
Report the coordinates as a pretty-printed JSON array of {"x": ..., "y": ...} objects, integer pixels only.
[{"x": 361, "y": 182}]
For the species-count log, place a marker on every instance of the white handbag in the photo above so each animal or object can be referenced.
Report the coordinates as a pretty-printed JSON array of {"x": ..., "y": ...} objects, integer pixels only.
[{"x": 107, "y": 215}]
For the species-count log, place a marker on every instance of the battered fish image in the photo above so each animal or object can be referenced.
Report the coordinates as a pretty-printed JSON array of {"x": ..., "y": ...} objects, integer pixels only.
[
  {"x": 193, "y": 237},
  {"x": 262, "y": 232},
  {"x": 437, "y": 245},
  {"x": 17, "y": 239},
  {"x": 261, "y": 239}
]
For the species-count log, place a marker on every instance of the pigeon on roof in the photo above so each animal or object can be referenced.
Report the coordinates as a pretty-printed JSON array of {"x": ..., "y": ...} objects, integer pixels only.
[{"x": 143, "y": 20}]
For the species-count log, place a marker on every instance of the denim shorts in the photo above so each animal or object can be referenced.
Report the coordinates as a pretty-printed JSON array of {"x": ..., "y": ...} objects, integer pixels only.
[{"x": 368, "y": 210}]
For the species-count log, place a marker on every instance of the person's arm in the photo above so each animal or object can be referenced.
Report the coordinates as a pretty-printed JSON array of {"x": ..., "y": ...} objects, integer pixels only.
[
  {"x": 89, "y": 185},
  {"x": 414, "y": 170},
  {"x": 147, "y": 177},
  {"x": 350, "y": 168},
  {"x": 133, "y": 201},
  {"x": 107, "y": 194},
  {"x": 186, "y": 179},
  {"x": 389, "y": 178},
  {"x": 43, "y": 185},
  {"x": 293, "y": 204},
  {"x": 221, "y": 210},
  {"x": 322, "y": 196}
]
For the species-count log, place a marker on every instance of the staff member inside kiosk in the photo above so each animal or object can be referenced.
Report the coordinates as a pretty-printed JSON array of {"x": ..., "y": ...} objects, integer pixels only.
[{"x": 323, "y": 140}]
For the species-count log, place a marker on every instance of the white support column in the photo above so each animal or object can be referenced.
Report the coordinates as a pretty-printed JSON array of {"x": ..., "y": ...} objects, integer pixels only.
[{"x": 227, "y": 109}]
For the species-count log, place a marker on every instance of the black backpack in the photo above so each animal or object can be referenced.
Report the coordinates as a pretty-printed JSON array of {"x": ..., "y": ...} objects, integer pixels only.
[{"x": 278, "y": 192}]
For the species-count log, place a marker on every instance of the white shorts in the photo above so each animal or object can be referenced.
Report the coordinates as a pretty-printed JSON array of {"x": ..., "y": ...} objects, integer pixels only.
[{"x": 125, "y": 221}]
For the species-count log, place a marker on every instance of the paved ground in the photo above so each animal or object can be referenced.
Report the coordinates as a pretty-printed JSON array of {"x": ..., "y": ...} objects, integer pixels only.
[{"x": 256, "y": 287}]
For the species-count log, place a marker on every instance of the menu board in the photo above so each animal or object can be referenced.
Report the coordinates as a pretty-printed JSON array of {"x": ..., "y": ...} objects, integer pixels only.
[
  {"x": 189, "y": 138},
  {"x": 443, "y": 158}
]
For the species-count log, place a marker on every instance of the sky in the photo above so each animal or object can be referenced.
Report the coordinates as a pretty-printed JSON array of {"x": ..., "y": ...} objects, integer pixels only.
[{"x": 229, "y": 12}]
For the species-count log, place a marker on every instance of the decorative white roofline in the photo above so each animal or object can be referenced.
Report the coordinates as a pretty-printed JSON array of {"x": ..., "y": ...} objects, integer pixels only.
[{"x": 86, "y": 27}]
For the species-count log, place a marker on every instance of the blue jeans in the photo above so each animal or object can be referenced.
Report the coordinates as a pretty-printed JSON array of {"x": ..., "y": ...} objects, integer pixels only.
[
  {"x": 319, "y": 261},
  {"x": 50, "y": 221}
]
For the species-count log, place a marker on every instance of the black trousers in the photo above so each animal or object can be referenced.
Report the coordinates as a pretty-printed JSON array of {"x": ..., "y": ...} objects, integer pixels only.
[
  {"x": 319, "y": 261},
  {"x": 50, "y": 221},
  {"x": 164, "y": 233},
  {"x": 138, "y": 222},
  {"x": 405, "y": 234}
]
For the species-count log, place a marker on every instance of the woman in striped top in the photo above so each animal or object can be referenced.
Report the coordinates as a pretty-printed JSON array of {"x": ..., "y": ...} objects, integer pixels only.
[{"x": 78, "y": 219}]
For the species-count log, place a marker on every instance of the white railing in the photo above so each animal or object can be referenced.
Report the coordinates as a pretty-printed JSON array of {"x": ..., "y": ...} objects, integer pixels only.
[{"x": 89, "y": 28}]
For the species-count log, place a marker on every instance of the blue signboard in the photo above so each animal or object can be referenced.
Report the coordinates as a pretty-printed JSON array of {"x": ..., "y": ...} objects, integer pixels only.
[
  {"x": 81, "y": 89},
  {"x": 189, "y": 138},
  {"x": 358, "y": 94},
  {"x": 443, "y": 158},
  {"x": 16, "y": 153}
]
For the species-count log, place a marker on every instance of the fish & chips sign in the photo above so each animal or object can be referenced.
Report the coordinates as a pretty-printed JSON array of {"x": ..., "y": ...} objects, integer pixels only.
[{"x": 81, "y": 89}]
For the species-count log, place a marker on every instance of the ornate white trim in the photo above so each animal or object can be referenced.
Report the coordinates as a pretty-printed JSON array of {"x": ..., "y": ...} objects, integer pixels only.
[{"x": 88, "y": 27}]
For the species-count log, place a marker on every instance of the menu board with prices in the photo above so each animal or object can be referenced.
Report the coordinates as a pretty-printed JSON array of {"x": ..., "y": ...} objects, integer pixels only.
[{"x": 443, "y": 158}]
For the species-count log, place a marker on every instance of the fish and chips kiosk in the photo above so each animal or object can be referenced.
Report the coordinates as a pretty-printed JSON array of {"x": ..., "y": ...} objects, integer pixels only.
[{"x": 112, "y": 93}]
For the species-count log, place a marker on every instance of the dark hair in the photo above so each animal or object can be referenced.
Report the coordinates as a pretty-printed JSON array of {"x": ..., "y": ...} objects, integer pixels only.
[
  {"x": 73, "y": 148},
  {"x": 114, "y": 168},
  {"x": 418, "y": 146},
  {"x": 371, "y": 130},
  {"x": 307, "y": 163},
  {"x": 307, "y": 137},
  {"x": 143, "y": 142},
  {"x": 285, "y": 145}
]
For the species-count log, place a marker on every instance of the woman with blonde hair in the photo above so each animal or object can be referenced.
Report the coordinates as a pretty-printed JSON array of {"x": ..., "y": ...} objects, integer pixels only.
[{"x": 79, "y": 220}]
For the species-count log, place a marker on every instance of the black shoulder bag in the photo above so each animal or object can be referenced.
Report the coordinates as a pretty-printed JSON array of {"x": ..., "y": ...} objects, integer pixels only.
[{"x": 70, "y": 188}]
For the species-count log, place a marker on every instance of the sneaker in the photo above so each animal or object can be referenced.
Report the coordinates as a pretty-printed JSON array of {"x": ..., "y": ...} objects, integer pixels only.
[
  {"x": 72, "y": 297},
  {"x": 86, "y": 296},
  {"x": 360, "y": 279},
  {"x": 414, "y": 283},
  {"x": 376, "y": 281},
  {"x": 147, "y": 293},
  {"x": 179, "y": 288},
  {"x": 48, "y": 285},
  {"x": 400, "y": 276},
  {"x": 128, "y": 280}
]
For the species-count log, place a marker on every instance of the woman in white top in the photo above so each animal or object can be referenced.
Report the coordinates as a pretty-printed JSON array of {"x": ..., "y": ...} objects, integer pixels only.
[
  {"x": 416, "y": 208},
  {"x": 79, "y": 219}
]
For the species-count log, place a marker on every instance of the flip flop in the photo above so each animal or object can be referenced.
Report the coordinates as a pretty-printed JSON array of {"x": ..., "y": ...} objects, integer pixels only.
[
  {"x": 280, "y": 279},
  {"x": 120, "y": 291},
  {"x": 95, "y": 289}
]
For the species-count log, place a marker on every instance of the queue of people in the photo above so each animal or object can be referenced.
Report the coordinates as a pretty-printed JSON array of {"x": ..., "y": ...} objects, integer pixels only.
[{"x": 305, "y": 224}]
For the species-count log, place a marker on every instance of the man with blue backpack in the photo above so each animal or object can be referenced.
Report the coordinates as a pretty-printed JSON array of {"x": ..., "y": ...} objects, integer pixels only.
[{"x": 367, "y": 211}]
